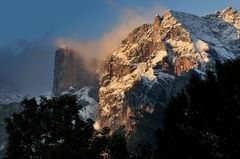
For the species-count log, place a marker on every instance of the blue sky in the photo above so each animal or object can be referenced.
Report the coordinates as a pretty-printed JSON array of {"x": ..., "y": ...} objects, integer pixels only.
[
  {"x": 88, "y": 18},
  {"x": 29, "y": 28}
]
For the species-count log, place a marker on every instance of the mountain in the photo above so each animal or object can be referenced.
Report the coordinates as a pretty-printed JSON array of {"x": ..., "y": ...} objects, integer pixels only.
[
  {"x": 71, "y": 76},
  {"x": 70, "y": 71},
  {"x": 154, "y": 62}
]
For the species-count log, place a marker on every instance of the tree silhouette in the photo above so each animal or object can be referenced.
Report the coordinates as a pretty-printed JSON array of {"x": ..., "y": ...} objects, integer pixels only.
[
  {"x": 53, "y": 129},
  {"x": 203, "y": 121}
]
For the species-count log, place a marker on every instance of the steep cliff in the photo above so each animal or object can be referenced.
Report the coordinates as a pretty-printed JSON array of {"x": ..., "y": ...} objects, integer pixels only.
[
  {"x": 71, "y": 76},
  {"x": 70, "y": 71},
  {"x": 155, "y": 61}
]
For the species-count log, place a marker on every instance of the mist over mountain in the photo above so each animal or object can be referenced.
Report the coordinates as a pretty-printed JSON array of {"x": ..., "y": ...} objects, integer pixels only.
[
  {"x": 26, "y": 62},
  {"x": 27, "y": 65}
]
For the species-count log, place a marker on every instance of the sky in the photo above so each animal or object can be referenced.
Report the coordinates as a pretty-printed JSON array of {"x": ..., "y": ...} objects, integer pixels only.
[{"x": 29, "y": 30}]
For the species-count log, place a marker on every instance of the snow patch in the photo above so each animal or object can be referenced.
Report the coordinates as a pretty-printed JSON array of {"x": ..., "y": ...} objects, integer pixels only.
[
  {"x": 89, "y": 110},
  {"x": 201, "y": 46},
  {"x": 159, "y": 57}
]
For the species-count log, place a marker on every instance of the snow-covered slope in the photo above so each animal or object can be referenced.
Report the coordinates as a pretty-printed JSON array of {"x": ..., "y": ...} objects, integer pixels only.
[
  {"x": 7, "y": 98},
  {"x": 84, "y": 99},
  {"x": 155, "y": 61},
  {"x": 8, "y": 94}
]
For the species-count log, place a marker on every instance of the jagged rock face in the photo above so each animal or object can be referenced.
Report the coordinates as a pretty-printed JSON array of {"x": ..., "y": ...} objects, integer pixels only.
[
  {"x": 70, "y": 72},
  {"x": 72, "y": 77},
  {"x": 154, "y": 62}
]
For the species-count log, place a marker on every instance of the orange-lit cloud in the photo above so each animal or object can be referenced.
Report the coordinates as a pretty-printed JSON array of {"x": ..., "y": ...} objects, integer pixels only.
[{"x": 99, "y": 49}]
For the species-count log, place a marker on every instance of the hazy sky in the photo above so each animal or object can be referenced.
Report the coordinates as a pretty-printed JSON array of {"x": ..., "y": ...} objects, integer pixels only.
[{"x": 29, "y": 29}]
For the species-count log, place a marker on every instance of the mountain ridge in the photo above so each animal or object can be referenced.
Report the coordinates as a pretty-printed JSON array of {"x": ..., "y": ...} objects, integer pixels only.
[{"x": 155, "y": 61}]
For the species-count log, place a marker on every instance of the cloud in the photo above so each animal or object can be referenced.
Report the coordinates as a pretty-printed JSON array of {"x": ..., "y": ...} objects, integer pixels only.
[
  {"x": 99, "y": 49},
  {"x": 27, "y": 65}
]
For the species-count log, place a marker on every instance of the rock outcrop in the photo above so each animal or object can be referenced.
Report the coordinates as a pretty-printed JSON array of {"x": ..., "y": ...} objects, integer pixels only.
[
  {"x": 70, "y": 71},
  {"x": 73, "y": 77}
]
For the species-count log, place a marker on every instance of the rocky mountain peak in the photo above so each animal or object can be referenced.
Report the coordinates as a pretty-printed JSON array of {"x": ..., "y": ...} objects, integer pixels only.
[
  {"x": 157, "y": 22},
  {"x": 70, "y": 71},
  {"x": 65, "y": 50},
  {"x": 154, "y": 62},
  {"x": 231, "y": 16},
  {"x": 229, "y": 11}
]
